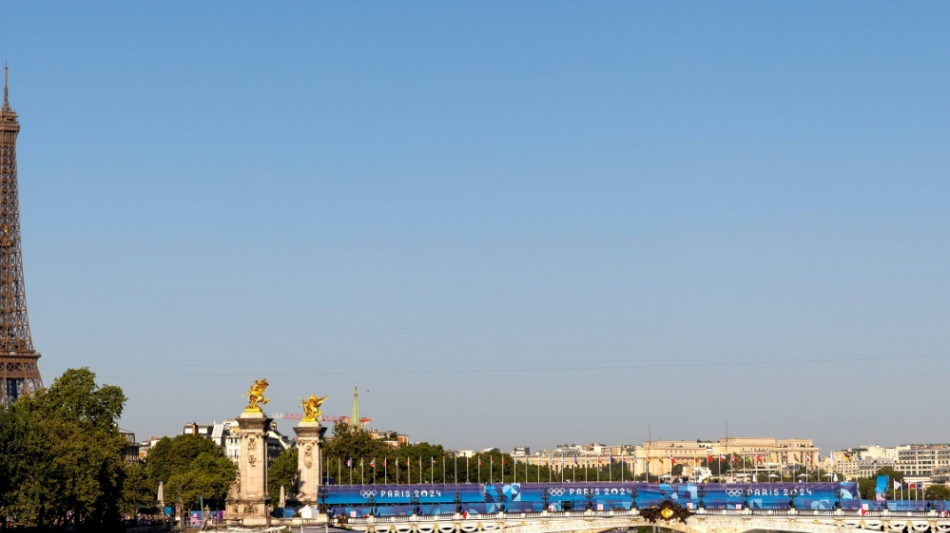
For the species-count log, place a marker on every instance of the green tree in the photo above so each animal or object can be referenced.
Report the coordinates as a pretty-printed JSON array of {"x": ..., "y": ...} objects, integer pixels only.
[
  {"x": 138, "y": 494},
  {"x": 867, "y": 486},
  {"x": 172, "y": 455},
  {"x": 207, "y": 477},
  {"x": 890, "y": 472},
  {"x": 352, "y": 443},
  {"x": 24, "y": 459},
  {"x": 193, "y": 468},
  {"x": 937, "y": 492},
  {"x": 426, "y": 461},
  {"x": 717, "y": 467},
  {"x": 282, "y": 472},
  {"x": 63, "y": 456}
]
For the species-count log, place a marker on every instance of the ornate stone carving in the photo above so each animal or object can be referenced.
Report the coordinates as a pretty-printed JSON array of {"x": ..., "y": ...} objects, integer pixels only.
[
  {"x": 235, "y": 488},
  {"x": 666, "y": 511}
]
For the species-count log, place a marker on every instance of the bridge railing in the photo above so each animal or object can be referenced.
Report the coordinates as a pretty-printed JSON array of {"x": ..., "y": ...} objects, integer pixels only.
[{"x": 565, "y": 515}]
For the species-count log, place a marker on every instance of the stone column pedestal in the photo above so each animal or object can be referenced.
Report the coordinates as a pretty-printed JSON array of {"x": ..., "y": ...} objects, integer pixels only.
[
  {"x": 247, "y": 500},
  {"x": 309, "y": 461}
]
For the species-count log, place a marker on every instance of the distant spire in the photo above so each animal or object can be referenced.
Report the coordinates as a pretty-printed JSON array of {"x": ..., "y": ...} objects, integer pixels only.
[{"x": 355, "y": 415}]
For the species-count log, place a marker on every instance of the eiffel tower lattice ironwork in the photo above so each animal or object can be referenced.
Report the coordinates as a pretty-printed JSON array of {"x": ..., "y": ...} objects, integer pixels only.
[{"x": 19, "y": 372}]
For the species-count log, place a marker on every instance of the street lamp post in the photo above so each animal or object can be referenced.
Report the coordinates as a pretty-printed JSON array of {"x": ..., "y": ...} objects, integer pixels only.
[
  {"x": 545, "y": 496},
  {"x": 633, "y": 498},
  {"x": 792, "y": 493},
  {"x": 701, "y": 492}
]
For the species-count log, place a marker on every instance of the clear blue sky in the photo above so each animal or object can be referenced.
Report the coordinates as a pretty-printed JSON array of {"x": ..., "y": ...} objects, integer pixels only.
[{"x": 507, "y": 222}]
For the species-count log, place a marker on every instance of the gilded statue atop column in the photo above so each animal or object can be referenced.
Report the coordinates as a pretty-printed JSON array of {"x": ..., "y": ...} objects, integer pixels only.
[
  {"x": 255, "y": 396},
  {"x": 311, "y": 408}
]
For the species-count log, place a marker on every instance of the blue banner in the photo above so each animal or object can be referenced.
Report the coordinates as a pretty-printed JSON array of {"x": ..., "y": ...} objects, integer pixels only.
[
  {"x": 489, "y": 498},
  {"x": 880, "y": 488}
]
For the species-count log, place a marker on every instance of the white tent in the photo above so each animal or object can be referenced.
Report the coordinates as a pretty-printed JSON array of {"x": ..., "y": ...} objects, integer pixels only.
[{"x": 309, "y": 511}]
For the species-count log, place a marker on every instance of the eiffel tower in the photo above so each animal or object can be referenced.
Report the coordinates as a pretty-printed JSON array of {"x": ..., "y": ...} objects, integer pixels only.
[{"x": 19, "y": 372}]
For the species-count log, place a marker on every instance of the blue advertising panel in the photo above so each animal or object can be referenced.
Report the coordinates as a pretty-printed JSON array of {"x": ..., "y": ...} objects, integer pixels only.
[
  {"x": 880, "y": 487},
  {"x": 388, "y": 500}
]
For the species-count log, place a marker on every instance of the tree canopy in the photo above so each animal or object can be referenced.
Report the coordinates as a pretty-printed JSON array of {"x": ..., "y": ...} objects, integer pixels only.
[
  {"x": 282, "y": 472},
  {"x": 61, "y": 455},
  {"x": 192, "y": 468}
]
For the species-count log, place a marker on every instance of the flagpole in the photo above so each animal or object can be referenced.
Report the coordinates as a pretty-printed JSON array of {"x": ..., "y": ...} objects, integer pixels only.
[
  {"x": 622, "y": 468},
  {"x": 649, "y": 448}
]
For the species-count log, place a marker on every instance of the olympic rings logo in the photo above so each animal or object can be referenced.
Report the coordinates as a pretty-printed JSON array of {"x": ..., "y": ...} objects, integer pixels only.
[
  {"x": 556, "y": 492},
  {"x": 733, "y": 492},
  {"x": 367, "y": 493}
]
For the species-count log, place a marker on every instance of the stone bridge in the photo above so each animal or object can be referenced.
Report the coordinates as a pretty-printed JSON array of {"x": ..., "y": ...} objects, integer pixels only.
[{"x": 705, "y": 521}]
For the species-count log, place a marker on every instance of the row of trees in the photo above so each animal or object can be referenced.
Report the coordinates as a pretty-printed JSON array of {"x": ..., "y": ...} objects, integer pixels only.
[
  {"x": 63, "y": 461},
  {"x": 867, "y": 487},
  {"x": 352, "y": 456}
]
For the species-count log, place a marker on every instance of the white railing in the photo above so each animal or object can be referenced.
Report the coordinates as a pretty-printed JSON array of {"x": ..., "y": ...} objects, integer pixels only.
[{"x": 567, "y": 515}]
